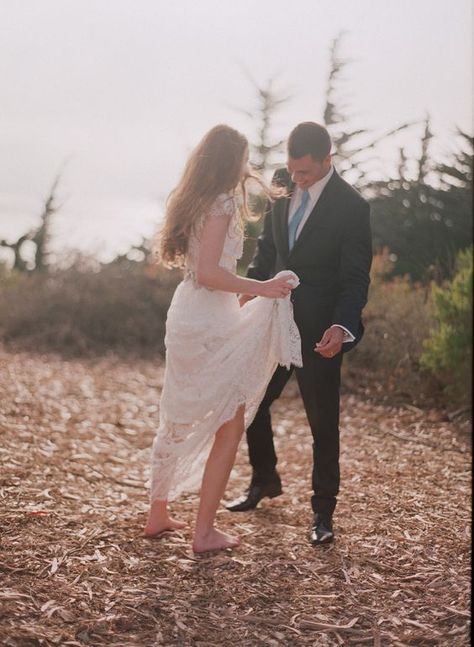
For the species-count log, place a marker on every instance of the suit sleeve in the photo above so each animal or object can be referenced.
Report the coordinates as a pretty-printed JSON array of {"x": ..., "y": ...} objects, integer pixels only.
[
  {"x": 263, "y": 263},
  {"x": 354, "y": 278}
]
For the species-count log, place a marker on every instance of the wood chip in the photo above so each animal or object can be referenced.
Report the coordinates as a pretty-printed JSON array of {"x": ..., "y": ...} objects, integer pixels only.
[{"x": 75, "y": 441}]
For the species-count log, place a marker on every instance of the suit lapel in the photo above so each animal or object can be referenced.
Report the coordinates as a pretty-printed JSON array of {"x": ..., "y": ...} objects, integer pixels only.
[
  {"x": 319, "y": 209},
  {"x": 280, "y": 210},
  {"x": 282, "y": 217}
]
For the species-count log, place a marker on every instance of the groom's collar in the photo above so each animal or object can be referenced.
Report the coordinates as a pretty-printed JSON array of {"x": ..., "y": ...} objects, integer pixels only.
[
  {"x": 317, "y": 188},
  {"x": 291, "y": 186}
]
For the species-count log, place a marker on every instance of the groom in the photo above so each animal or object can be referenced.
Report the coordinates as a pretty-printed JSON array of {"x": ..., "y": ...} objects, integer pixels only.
[{"x": 321, "y": 231}]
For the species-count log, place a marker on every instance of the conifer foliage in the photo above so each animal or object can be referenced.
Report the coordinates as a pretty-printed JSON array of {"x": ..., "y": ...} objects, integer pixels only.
[{"x": 448, "y": 350}]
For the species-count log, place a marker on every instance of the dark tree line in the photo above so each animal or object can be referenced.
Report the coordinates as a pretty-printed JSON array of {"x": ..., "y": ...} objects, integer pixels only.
[{"x": 427, "y": 219}]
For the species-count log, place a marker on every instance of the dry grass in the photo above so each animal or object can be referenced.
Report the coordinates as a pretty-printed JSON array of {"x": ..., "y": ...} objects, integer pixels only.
[
  {"x": 398, "y": 318},
  {"x": 87, "y": 310},
  {"x": 76, "y": 570}
]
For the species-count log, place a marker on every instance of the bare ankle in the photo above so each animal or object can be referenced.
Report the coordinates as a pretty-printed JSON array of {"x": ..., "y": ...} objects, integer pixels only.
[{"x": 203, "y": 532}]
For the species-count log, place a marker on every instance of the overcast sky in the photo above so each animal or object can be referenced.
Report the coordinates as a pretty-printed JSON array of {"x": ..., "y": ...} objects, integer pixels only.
[{"x": 121, "y": 91}]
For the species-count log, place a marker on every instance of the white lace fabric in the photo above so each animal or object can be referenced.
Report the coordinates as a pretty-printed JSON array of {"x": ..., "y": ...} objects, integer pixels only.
[{"x": 218, "y": 357}]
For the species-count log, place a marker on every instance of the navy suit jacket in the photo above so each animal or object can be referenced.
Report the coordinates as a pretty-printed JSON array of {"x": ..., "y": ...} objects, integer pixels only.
[{"x": 331, "y": 256}]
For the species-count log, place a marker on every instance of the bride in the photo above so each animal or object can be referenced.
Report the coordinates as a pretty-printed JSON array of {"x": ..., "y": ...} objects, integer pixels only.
[{"x": 219, "y": 357}]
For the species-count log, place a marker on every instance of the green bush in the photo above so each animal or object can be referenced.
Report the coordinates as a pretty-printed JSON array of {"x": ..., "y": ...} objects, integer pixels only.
[{"x": 448, "y": 350}]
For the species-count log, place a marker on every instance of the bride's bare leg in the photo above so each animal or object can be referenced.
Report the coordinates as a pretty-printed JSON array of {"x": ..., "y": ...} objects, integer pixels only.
[
  {"x": 159, "y": 520},
  {"x": 216, "y": 474}
]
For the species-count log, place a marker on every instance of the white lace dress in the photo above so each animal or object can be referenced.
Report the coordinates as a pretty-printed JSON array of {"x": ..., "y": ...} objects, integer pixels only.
[{"x": 218, "y": 357}]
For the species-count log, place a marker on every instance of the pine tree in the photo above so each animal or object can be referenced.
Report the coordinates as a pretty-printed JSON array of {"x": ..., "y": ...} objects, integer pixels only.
[
  {"x": 448, "y": 350},
  {"x": 265, "y": 153},
  {"x": 352, "y": 148},
  {"x": 268, "y": 101},
  {"x": 40, "y": 236},
  {"x": 425, "y": 219}
]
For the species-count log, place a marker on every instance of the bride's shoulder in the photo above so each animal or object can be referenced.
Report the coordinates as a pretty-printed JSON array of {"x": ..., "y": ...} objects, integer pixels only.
[{"x": 223, "y": 205}]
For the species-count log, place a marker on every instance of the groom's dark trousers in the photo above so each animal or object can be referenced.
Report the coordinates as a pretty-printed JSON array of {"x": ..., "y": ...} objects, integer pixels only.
[{"x": 332, "y": 257}]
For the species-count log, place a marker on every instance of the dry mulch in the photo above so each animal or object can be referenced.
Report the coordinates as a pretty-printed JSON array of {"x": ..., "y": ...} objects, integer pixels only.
[{"x": 75, "y": 440}]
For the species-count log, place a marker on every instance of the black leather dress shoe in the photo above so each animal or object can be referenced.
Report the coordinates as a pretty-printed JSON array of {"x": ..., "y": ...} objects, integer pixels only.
[
  {"x": 254, "y": 495},
  {"x": 321, "y": 531}
]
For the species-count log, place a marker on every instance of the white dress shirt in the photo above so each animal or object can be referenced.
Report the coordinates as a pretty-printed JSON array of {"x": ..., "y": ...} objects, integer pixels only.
[{"x": 315, "y": 191}]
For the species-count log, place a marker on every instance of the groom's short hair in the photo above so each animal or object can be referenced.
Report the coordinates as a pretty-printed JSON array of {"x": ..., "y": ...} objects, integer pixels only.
[{"x": 309, "y": 138}]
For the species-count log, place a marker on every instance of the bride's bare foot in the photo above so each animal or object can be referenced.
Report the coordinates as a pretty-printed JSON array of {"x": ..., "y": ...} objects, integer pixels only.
[
  {"x": 155, "y": 526},
  {"x": 214, "y": 540}
]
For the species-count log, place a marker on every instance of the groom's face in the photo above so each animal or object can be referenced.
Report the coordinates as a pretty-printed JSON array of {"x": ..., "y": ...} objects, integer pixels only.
[{"x": 305, "y": 171}]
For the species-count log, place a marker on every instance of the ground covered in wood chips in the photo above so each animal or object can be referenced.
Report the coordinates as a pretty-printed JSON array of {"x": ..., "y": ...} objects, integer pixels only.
[{"x": 75, "y": 439}]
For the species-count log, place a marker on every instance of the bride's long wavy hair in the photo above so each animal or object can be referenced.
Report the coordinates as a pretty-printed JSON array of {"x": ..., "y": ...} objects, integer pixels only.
[{"x": 214, "y": 167}]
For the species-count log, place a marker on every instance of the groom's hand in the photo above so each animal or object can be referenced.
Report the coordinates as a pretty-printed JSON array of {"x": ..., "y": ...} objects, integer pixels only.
[{"x": 331, "y": 342}]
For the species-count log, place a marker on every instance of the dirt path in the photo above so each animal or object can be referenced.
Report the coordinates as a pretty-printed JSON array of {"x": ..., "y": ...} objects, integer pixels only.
[{"x": 75, "y": 439}]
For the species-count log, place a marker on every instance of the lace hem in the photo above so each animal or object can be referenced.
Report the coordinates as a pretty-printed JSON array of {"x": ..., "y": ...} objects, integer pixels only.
[{"x": 164, "y": 485}]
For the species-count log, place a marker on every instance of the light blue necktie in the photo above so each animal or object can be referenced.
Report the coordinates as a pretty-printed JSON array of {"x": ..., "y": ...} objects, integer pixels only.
[{"x": 297, "y": 217}]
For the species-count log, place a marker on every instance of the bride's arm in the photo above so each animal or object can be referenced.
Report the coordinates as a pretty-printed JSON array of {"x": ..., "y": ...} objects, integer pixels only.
[{"x": 210, "y": 275}]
